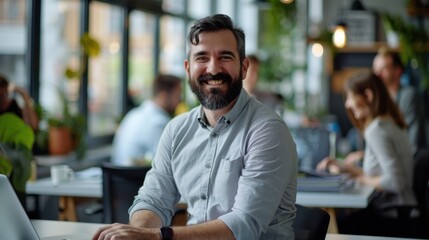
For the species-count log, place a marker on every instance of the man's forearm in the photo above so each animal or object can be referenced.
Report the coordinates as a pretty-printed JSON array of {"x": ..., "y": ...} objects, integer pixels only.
[
  {"x": 145, "y": 218},
  {"x": 212, "y": 230},
  {"x": 215, "y": 229}
]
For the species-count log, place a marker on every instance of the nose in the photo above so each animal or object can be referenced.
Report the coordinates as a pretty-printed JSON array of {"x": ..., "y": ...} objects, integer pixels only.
[{"x": 214, "y": 67}]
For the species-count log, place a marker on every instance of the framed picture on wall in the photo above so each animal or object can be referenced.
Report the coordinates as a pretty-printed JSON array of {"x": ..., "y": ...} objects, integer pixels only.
[{"x": 361, "y": 27}]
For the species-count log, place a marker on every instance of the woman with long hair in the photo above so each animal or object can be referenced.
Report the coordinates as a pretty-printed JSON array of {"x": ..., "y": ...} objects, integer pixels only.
[{"x": 388, "y": 159}]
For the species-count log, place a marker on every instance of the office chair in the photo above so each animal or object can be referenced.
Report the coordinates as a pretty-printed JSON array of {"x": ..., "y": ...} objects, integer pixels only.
[
  {"x": 406, "y": 224},
  {"x": 120, "y": 185},
  {"x": 310, "y": 223}
]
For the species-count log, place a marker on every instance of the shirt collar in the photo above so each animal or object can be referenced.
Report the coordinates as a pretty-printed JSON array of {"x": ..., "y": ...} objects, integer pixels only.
[{"x": 231, "y": 116}]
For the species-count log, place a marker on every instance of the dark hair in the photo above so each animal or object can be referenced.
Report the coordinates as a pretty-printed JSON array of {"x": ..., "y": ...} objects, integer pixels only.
[
  {"x": 165, "y": 82},
  {"x": 3, "y": 82},
  {"x": 215, "y": 23},
  {"x": 396, "y": 59},
  {"x": 382, "y": 103}
]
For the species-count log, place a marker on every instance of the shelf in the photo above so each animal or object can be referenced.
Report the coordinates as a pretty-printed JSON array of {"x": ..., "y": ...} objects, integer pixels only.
[
  {"x": 364, "y": 48},
  {"x": 418, "y": 12}
]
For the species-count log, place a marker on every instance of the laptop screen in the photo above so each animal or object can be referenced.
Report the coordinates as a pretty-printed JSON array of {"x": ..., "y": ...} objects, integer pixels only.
[{"x": 14, "y": 222}]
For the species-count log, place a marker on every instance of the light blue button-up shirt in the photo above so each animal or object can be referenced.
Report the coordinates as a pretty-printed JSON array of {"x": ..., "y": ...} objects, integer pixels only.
[{"x": 242, "y": 171}]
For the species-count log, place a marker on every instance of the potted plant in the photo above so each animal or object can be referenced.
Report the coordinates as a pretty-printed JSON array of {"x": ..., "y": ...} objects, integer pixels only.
[
  {"x": 66, "y": 131},
  {"x": 16, "y": 142}
]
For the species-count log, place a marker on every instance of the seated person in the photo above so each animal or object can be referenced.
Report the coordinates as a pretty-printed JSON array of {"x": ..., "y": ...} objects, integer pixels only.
[
  {"x": 388, "y": 66},
  {"x": 388, "y": 158},
  {"x": 138, "y": 134},
  {"x": 232, "y": 159},
  {"x": 10, "y": 105}
]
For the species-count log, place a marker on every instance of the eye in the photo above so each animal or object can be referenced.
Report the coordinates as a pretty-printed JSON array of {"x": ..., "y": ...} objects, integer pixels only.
[
  {"x": 201, "y": 59},
  {"x": 226, "y": 58}
]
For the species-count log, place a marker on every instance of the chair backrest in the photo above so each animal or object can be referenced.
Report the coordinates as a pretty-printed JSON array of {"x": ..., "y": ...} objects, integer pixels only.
[
  {"x": 120, "y": 185},
  {"x": 421, "y": 180},
  {"x": 310, "y": 223}
]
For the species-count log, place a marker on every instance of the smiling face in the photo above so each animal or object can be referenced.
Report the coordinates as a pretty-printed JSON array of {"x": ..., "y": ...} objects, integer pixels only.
[
  {"x": 214, "y": 69},
  {"x": 357, "y": 105}
]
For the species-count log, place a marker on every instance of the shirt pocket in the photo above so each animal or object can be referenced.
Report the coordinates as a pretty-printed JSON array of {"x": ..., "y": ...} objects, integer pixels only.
[{"x": 233, "y": 163}]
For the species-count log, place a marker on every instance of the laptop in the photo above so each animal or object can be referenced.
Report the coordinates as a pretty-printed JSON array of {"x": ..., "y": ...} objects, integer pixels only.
[{"x": 14, "y": 222}]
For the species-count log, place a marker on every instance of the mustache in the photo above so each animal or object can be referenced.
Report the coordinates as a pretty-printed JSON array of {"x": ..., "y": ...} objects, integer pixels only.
[{"x": 219, "y": 76}]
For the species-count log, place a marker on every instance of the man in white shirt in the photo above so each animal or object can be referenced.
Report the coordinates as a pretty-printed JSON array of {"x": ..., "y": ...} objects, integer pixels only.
[{"x": 138, "y": 134}]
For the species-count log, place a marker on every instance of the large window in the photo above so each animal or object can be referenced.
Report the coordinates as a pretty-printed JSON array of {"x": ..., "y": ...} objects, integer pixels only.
[
  {"x": 59, "y": 49},
  {"x": 172, "y": 52},
  {"x": 174, "y": 6},
  {"x": 104, "y": 84},
  {"x": 156, "y": 44},
  {"x": 142, "y": 56},
  {"x": 13, "y": 41},
  {"x": 199, "y": 8}
]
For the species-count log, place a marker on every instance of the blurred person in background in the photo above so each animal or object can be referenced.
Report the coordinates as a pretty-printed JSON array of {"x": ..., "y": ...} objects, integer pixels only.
[
  {"x": 250, "y": 84},
  {"x": 139, "y": 132},
  {"x": 9, "y": 104},
  {"x": 388, "y": 157},
  {"x": 388, "y": 66}
]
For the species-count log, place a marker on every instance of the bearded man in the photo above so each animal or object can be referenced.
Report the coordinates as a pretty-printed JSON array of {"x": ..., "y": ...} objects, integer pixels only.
[{"x": 232, "y": 159}]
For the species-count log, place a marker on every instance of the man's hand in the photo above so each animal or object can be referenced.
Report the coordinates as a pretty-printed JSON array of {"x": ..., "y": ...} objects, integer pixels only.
[{"x": 119, "y": 231}]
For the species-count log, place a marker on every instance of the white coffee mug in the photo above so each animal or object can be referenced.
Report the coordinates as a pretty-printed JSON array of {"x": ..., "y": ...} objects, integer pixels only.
[{"x": 61, "y": 174}]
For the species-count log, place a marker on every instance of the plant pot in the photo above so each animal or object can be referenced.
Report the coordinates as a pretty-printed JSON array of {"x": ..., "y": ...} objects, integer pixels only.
[{"x": 60, "y": 140}]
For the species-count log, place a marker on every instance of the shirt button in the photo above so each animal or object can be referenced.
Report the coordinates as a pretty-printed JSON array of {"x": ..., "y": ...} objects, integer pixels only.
[
  {"x": 203, "y": 197},
  {"x": 208, "y": 165}
]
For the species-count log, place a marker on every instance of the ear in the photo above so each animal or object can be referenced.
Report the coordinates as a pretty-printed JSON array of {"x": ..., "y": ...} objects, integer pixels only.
[
  {"x": 187, "y": 66},
  {"x": 369, "y": 94},
  {"x": 244, "y": 68}
]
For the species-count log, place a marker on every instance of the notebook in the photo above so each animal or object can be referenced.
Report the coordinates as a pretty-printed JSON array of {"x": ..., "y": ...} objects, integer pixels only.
[{"x": 14, "y": 222}]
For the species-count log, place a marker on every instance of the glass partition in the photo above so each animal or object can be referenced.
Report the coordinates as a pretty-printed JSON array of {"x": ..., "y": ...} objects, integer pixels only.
[
  {"x": 104, "y": 75},
  {"x": 13, "y": 44},
  {"x": 59, "y": 49},
  {"x": 142, "y": 55},
  {"x": 172, "y": 52}
]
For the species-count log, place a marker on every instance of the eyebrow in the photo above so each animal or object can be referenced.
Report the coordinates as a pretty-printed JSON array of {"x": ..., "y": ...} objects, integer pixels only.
[
  {"x": 227, "y": 52},
  {"x": 224, "y": 52}
]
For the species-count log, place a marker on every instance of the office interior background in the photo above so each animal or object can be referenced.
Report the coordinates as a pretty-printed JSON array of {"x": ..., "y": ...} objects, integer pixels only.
[{"x": 141, "y": 38}]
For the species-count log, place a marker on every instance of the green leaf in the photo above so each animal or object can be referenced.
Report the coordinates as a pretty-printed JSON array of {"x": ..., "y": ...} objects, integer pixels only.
[
  {"x": 90, "y": 45},
  {"x": 70, "y": 73},
  {"x": 14, "y": 130},
  {"x": 20, "y": 157},
  {"x": 5, "y": 165}
]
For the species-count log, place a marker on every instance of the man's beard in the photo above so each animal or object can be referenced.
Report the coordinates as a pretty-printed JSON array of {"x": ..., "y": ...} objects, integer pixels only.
[{"x": 215, "y": 98}]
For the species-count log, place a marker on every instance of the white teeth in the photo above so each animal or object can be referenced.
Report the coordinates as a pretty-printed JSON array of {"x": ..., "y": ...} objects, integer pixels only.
[{"x": 214, "y": 82}]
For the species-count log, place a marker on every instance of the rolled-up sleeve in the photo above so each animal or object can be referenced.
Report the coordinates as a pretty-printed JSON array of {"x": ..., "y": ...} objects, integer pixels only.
[
  {"x": 267, "y": 183},
  {"x": 150, "y": 197}
]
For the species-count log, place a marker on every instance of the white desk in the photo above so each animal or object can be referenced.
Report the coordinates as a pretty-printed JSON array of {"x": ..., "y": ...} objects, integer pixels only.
[
  {"x": 82, "y": 186},
  {"x": 91, "y": 186},
  {"x": 87, "y": 184},
  {"x": 357, "y": 196},
  {"x": 47, "y": 228}
]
